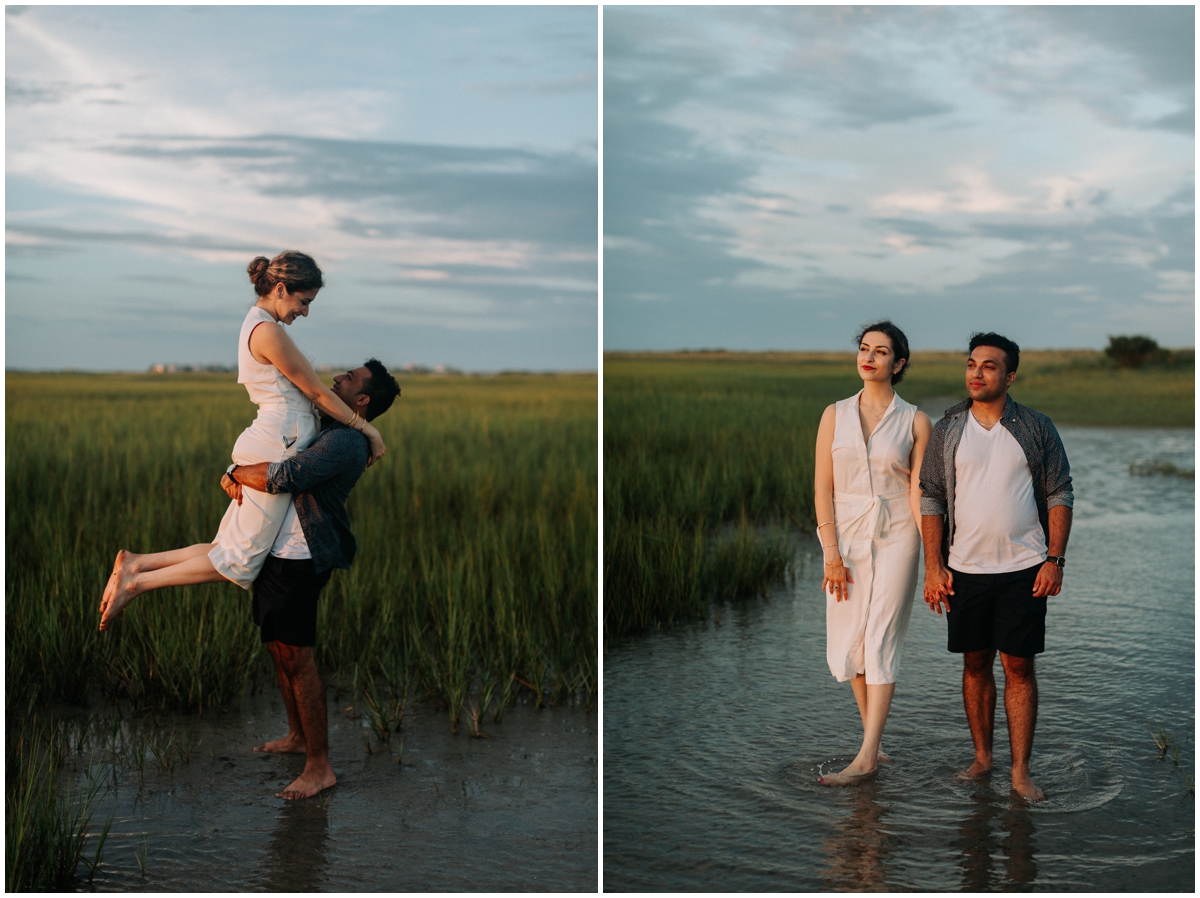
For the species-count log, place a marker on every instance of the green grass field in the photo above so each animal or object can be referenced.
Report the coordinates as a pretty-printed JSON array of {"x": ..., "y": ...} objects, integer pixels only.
[
  {"x": 708, "y": 457},
  {"x": 476, "y": 570}
]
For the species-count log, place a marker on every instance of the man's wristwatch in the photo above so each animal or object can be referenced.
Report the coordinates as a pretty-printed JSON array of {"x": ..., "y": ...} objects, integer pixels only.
[
  {"x": 1060, "y": 560},
  {"x": 229, "y": 472}
]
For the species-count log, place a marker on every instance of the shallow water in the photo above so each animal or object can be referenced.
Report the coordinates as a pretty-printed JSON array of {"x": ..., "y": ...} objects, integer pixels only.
[
  {"x": 516, "y": 811},
  {"x": 716, "y": 731}
]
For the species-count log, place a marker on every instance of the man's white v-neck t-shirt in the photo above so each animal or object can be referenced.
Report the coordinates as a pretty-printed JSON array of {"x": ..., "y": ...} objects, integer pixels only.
[{"x": 996, "y": 526}]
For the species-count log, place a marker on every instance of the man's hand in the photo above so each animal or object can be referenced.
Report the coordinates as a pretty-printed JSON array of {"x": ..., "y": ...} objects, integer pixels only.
[
  {"x": 939, "y": 586},
  {"x": 1049, "y": 580},
  {"x": 232, "y": 488}
]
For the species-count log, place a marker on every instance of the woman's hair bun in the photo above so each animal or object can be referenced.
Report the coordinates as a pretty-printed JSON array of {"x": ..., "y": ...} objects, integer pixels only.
[
  {"x": 296, "y": 271},
  {"x": 257, "y": 269}
]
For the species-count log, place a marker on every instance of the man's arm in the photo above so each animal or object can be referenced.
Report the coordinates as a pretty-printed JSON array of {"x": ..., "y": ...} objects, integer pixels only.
[
  {"x": 332, "y": 454},
  {"x": 253, "y": 476},
  {"x": 1050, "y": 575}
]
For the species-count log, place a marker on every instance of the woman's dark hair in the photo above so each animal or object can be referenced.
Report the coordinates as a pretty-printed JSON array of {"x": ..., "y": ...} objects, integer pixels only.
[
  {"x": 296, "y": 271},
  {"x": 1012, "y": 352},
  {"x": 899, "y": 343}
]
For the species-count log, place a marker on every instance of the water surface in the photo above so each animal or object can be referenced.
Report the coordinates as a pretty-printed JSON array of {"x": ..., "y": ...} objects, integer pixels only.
[
  {"x": 516, "y": 811},
  {"x": 716, "y": 731}
]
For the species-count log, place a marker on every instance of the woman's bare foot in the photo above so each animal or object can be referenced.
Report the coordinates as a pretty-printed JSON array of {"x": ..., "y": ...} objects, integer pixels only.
[
  {"x": 308, "y": 784},
  {"x": 123, "y": 558},
  {"x": 883, "y": 757},
  {"x": 855, "y": 773},
  {"x": 127, "y": 562},
  {"x": 289, "y": 744},
  {"x": 122, "y": 590},
  {"x": 1024, "y": 786}
]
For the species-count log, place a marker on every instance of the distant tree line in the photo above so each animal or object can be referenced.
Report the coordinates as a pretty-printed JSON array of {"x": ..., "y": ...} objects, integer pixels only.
[{"x": 1139, "y": 351}]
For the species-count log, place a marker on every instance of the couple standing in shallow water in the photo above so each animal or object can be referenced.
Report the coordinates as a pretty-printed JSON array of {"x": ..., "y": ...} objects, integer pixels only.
[
  {"x": 286, "y": 528},
  {"x": 987, "y": 491}
]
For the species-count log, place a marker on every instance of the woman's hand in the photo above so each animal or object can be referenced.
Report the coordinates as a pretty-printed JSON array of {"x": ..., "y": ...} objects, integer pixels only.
[
  {"x": 376, "y": 441},
  {"x": 837, "y": 575},
  {"x": 232, "y": 488}
]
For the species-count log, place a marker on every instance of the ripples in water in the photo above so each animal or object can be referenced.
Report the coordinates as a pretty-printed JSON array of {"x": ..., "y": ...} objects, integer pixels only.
[{"x": 715, "y": 733}]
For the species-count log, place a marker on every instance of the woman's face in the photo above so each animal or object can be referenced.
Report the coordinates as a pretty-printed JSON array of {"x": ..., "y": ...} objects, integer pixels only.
[
  {"x": 876, "y": 360},
  {"x": 290, "y": 306}
]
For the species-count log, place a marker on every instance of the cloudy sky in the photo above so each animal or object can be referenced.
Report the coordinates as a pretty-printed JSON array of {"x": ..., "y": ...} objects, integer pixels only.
[
  {"x": 440, "y": 163},
  {"x": 775, "y": 176}
]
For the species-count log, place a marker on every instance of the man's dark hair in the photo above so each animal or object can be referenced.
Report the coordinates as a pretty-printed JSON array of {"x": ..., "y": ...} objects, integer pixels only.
[
  {"x": 381, "y": 389},
  {"x": 899, "y": 342},
  {"x": 1012, "y": 352}
]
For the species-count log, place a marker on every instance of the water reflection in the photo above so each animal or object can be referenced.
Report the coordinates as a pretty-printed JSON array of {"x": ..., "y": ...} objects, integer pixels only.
[
  {"x": 298, "y": 856},
  {"x": 979, "y": 841},
  {"x": 858, "y": 846}
]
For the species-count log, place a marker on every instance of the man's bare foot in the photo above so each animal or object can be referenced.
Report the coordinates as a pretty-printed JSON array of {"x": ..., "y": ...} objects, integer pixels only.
[
  {"x": 855, "y": 773},
  {"x": 1024, "y": 786},
  {"x": 289, "y": 744},
  {"x": 119, "y": 593},
  {"x": 973, "y": 774},
  {"x": 308, "y": 784}
]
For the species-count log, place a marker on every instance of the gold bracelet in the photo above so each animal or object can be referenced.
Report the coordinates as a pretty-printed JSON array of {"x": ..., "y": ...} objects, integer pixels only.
[
  {"x": 826, "y": 524},
  {"x": 353, "y": 418}
]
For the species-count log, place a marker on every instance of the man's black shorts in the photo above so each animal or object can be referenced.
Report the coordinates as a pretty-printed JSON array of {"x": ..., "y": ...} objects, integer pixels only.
[
  {"x": 285, "y": 600},
  {"x": 997, "y": 611}
]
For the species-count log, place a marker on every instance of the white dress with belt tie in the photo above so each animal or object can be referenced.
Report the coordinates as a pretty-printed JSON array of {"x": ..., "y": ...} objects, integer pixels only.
[
  {"x": 878, "y": 539},
  {"x": 287, "y": 423}
]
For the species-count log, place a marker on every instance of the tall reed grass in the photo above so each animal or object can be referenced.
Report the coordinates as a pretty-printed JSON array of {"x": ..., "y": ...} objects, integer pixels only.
[
  {"x": 708, "y": 457},
  {"x": 48, "y": 815},
  {"x": 477, "y": 540}
]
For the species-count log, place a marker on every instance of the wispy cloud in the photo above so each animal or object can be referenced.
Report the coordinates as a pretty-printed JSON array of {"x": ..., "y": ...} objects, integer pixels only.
[
  {"x": 414, "y": 177},
  {"x": 772, "y": 165}
]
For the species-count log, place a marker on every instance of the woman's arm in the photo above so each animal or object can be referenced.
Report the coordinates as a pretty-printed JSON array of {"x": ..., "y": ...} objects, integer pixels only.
[
  {"x": 921, "y": 430},
  {"x": 836, "y": 576},
  {"x": 271, "y": 345}
]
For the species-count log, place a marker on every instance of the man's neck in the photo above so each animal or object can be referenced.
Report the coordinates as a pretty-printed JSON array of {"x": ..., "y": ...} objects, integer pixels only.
[{"x": 989, "y": 412}]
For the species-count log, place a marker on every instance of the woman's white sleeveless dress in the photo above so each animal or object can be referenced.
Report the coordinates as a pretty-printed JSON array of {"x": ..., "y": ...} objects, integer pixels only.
[
  {"x": 878, "y": 539},
  {"x": 286, "y": 423}
]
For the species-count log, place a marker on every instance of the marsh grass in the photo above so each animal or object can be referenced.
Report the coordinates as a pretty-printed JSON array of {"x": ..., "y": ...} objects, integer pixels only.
[
  {"x": 48, "y": 814},
  {"x": 476, "y": 539},
  {"x": 1161, "y": 468},
  {"x": 708, "y": 456}
]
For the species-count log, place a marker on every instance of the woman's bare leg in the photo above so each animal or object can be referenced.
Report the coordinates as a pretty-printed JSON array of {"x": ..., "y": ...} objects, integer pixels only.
[
  {"x": 879, "y": 702},
  {"x": 131, "y": 563},
  {"x": 859, "y": 685},
  {"x": 127, "y": 585},
  {"x": 152, "y": 561}
]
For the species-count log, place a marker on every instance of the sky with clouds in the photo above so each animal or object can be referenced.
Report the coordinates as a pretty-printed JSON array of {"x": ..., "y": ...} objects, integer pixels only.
[
  {"x": 775, "y": 176},
  {"x": 440, "y": 163}
]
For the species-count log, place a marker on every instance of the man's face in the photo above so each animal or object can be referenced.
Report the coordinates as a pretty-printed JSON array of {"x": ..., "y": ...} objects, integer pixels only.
[
  {"x": 987, "y": 379},
  {"x": 348, "y": 386}
]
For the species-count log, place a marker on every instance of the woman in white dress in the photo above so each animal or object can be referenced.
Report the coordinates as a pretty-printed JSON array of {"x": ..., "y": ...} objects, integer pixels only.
[
  {"x": 868, "y": 504},
  {"x": 282, "y": 383}
]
